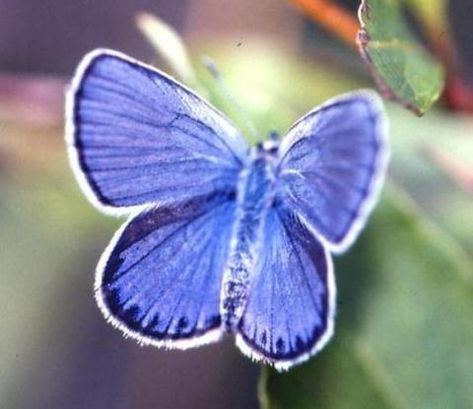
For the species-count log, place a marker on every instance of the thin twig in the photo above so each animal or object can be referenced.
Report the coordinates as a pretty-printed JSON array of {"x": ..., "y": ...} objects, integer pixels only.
[{"x": 331, "y": 16}]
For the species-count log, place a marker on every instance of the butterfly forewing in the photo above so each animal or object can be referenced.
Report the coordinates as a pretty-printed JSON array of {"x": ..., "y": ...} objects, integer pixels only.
[
  {"x": 332, "y": 166},
  {"x": 138, "y": 137}
]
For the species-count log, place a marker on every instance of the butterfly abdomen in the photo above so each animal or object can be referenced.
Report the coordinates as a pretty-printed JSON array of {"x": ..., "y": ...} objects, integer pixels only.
[{"x": 254, "y": 197}]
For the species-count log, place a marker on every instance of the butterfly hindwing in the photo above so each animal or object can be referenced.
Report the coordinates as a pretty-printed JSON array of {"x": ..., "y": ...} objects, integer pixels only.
[
  {"x": 160, "y": 281},
  {"x": 136, "y": 136},
  {"x": 332, "y": 164},
  {"x": 291, "y": 304}
]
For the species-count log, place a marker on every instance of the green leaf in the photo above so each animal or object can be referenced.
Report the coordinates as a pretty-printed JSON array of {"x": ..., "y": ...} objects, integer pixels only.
[
  {"x": 402, "y": 68},
  {"x": 403, "y": 336}
]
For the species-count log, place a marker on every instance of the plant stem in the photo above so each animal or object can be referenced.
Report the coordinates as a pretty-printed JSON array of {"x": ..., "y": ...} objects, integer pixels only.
[{"x": 331, "y": 16}]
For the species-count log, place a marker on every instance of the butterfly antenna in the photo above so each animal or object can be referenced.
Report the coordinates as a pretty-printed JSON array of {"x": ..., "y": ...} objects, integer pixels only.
[{"x": 231, "y": 104}]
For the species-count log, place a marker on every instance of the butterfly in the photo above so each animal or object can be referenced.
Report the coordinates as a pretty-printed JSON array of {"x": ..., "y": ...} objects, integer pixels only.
[{"x": 221, "y": 237}]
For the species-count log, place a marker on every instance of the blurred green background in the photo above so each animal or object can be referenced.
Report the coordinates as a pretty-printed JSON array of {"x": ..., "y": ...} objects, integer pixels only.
[{"x": 404, "y": 332}]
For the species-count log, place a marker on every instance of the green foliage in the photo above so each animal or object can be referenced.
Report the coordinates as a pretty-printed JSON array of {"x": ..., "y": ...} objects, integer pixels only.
[
  {"x": 404, "y": 337},
  {"x": 403, "y": 69},
  {"x": 435, "y": 194},
  {"x": 50, "y": 240}
]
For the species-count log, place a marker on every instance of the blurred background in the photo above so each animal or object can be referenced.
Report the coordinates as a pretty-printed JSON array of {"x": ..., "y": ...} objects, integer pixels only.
[{"x": 56, "y": 350}]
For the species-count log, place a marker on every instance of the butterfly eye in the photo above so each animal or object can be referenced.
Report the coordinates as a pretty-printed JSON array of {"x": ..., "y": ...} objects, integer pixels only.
[{"x": 273, "y": 150}]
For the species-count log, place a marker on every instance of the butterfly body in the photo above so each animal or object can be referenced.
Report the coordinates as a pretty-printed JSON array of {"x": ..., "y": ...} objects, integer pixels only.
[
  {"x": 255, "y": 197},
  {"x": 220, "y": 238}
]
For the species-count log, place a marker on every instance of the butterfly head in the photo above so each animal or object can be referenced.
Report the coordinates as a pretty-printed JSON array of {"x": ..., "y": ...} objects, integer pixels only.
[{"x": 269, "y": 148}]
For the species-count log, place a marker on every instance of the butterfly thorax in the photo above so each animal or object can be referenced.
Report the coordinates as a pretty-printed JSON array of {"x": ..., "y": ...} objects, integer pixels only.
[{"x": 255, "y": 195}]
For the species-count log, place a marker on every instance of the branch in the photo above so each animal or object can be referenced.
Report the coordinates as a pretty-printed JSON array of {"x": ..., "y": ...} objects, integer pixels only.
[{"x": 331, "y": 16}]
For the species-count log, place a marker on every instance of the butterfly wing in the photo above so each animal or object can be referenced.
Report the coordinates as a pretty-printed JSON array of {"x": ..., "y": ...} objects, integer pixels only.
[
  {"x": 332, "y": 164},
  {"x": 291, "y": 305},
  {"x": 160, "y": 279},
  {"x": 136, "y": 136}
]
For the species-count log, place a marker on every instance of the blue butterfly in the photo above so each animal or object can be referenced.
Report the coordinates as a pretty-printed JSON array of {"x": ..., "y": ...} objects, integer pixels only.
[{"x": 220, "y": 238}]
